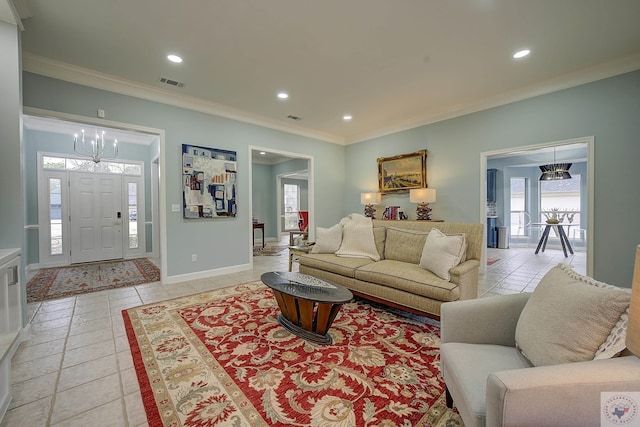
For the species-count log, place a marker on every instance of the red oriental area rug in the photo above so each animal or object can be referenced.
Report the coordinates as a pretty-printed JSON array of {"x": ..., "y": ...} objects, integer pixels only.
[
  {"x": 221, "y": 358},
  {"x": 52, "y": 283}
]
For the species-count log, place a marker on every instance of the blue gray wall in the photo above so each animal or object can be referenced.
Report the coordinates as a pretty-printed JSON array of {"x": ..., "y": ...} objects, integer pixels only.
[
  {"x": 264, "y": 197},
  {"x": 11, "y": 205},
  {"x": 608, "y": 109},
  {"x": 219, "y": 243}
]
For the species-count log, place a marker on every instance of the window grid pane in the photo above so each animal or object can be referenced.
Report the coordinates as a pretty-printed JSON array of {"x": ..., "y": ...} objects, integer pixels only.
[
  {"x": 133, "y": 214},
  {"x": 291, "y": 206},
  {"x": 84, "y": 165},
  {"x": 519, "y": 214},
  {"x": 55, "y": 216}
]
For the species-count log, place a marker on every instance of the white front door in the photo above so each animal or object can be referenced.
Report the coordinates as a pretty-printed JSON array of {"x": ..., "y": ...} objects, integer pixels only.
[{"x": 96, "y": 217}]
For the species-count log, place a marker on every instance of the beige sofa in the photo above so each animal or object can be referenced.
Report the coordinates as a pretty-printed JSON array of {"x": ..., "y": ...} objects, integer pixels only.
[{"x": 397, "y": 279}]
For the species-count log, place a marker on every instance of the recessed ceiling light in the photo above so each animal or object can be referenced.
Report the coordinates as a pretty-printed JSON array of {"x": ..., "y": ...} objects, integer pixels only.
[
  {"x": 521, "y": 53},
  {"x": 174, "y": 58},
  {"x": 262, "y": 153},
  {"x": 283, "y": 95},
  {"x": 347, "y": 118}
]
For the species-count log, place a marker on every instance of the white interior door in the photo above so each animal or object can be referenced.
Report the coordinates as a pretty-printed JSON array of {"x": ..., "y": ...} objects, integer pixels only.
[{"x": 96, "y": 217}]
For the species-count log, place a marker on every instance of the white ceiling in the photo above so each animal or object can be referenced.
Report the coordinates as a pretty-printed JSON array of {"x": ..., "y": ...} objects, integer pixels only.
[{"x": 391, "y": 64}]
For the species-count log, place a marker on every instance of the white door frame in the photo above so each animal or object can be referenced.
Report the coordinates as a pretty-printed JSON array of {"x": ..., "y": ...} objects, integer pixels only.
[
  {"x": 155, "y": 207},
  {"x": 590, "y": 141},
  {"x": 280, "y": 198},
  {"x": 44, "y": 238},
  {"x": 311, "y": 180},
  {"x": 162, "y": 161}
]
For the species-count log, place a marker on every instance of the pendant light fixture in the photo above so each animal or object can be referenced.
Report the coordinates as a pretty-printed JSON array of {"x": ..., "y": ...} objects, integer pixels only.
[
  {"x": 555, "y": 171},
  {"x": 96, "y": 150}
]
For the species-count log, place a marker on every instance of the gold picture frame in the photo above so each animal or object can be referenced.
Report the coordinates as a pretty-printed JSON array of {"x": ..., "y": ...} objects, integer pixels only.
[{"x": 399, "y": 174}]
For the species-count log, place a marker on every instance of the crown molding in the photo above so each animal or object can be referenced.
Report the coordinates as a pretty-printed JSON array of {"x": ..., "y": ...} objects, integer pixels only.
[
  {"x": 8, "y": 13},
  {"x": 565, "y": 81},
  {"x": 87, "y": 77}
]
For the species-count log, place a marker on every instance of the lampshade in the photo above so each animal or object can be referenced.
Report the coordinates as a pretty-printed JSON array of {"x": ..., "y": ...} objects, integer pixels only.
[
  {"x": 422, "y": 195},
  {"x": 633, "y": 330},
  {"x": 370, "y": 198}
]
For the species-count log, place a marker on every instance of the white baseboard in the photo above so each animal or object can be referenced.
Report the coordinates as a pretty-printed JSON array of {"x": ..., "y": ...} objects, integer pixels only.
[{"x": 207, "y": 273}]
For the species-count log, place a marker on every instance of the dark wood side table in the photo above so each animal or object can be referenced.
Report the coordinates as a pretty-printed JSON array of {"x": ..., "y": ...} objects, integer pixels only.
[
  {"x": 308, "y": 305},
  {"x": 259, "y": 226}
]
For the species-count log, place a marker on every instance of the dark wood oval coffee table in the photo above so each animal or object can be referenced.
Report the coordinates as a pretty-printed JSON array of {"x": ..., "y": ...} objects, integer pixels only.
[{"x": 308, "y": 305}]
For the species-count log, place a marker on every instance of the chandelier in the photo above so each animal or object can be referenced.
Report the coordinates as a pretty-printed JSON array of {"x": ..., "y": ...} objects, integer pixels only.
[
  {"x": 555, "y": 171},
  {"x": 95, "y": 149}
]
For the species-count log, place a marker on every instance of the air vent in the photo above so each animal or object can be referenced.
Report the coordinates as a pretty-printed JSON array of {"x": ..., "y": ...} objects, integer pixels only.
[
  {"x": 171, "y": 82},
  {"x": 296, "y": 118}
]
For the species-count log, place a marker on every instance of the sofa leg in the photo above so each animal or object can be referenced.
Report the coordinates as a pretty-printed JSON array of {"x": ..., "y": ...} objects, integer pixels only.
[{"x": 448, "y": 398}]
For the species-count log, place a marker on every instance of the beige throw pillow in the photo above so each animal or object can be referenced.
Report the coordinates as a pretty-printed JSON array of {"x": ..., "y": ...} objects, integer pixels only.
[
  {"x": 328, "y": 240},
  {"x": 442, "y": 252},
  {"x": 616, "y": 341},
  {"x": 357, "y": 238},
  {"x": 567, "y": 318}
]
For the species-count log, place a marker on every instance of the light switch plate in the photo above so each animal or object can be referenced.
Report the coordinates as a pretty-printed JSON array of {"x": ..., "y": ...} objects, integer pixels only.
[{"x": 175, "y": 208}]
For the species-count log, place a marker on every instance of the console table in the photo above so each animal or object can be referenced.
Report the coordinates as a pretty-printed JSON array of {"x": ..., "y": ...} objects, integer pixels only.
[{"x": 259, "y": 226}]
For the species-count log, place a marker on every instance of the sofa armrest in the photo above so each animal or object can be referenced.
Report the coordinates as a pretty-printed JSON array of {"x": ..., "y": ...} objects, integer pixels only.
[
  {"x": 490, "y": 320},
  {"x": 465, "y": 275},
  {"x": 567, "y": 394}
]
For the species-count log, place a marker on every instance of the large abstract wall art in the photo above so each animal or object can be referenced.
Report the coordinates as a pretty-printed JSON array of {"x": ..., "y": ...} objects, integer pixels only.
[{"x": 210, "y": 187}]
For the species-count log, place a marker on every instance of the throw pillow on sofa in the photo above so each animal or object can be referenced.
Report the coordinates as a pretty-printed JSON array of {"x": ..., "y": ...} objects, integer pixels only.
[
  {"x": 568, "y": 318},
  {"x": 357, "y": 238},
  {"x": 442, "y": 252},
  {"x": 328, "y": 240}
]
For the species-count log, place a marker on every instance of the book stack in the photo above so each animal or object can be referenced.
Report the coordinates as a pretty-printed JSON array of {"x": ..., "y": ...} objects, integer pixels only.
[{"x": 392, "y": 213}]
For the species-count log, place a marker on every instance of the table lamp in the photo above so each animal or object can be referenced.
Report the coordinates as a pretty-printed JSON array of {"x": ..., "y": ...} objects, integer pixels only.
[
  {"x": 422, "y": 196},
  {"x": 633, "y": 330},
  {"x": 368, "y": 200}
]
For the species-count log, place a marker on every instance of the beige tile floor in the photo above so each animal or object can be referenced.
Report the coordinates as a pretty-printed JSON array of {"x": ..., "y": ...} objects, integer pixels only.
[{"x": 76, "y": 368}]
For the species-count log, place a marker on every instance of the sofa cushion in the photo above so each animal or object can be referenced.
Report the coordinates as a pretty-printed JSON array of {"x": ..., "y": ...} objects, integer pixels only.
[
  {"x": 328, "y": 240},
  {"x": 442, "y": 252},
  {"x": 467, "y": 368},
  {"x": 379, "y": 236},
  {"x": 404, "y": 245},
  {"x": 334, "y": 264},
  {"x": 567, "y": 318},
  {"x": 409, "y": 278},
  {"x": 357, "y": 238}
]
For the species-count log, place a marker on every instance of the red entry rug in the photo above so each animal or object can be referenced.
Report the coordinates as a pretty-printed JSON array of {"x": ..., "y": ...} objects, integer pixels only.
[
  {"x": 221, "y": 358},
  {"x": 52, "y": 283}
]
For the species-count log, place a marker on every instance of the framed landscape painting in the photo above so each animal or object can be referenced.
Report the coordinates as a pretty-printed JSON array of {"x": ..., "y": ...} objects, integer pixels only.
[{"x": 402, "y": 172}]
